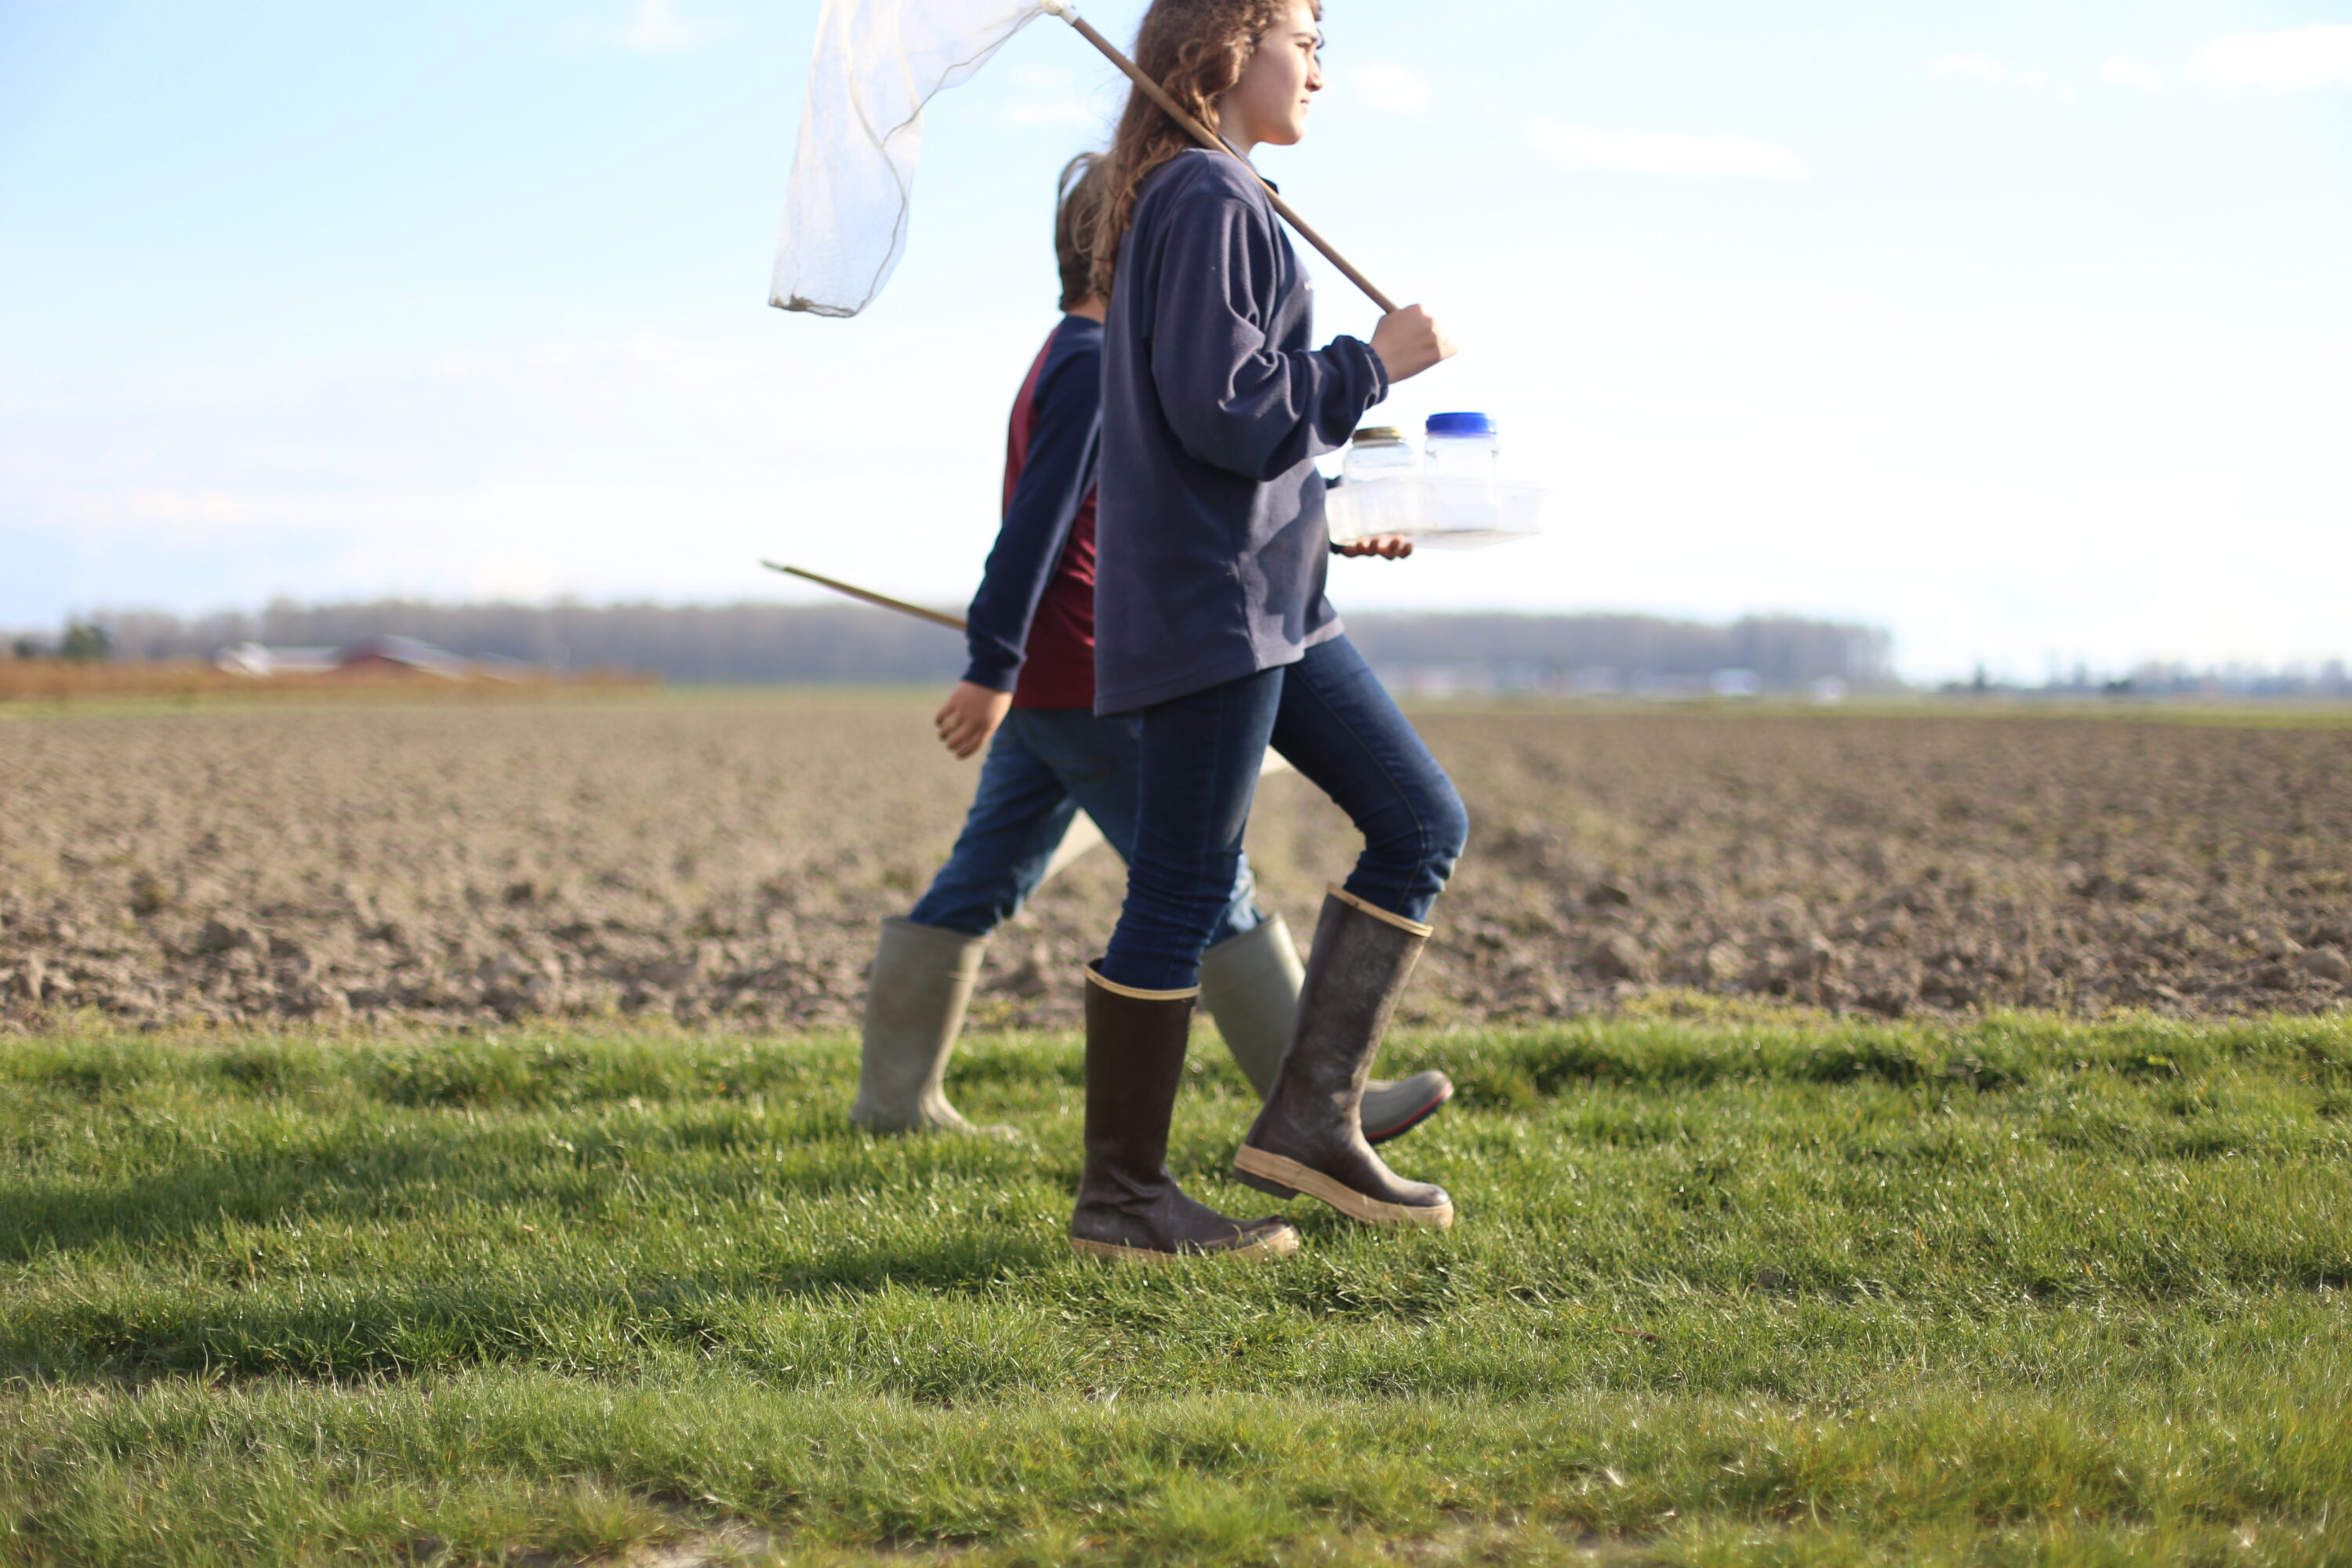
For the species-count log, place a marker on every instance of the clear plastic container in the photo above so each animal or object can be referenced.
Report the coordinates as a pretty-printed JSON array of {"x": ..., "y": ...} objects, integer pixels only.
[
  {"x": 1453, "y": 501},
  {"x": 1442, "y": 514},
  {"x": 1378, "y": 452},
  {"x": 1463, "y": 446}
]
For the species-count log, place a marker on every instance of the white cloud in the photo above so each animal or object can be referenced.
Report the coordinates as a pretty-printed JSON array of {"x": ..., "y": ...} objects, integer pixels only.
[
  {"x": 1053, "y": 98},
  {"x": 2130, "y": 73},
  {"x": 1640, "y": 152},
  {"x": 1390, "y": 86},
  {"x": 2289, "y": 60},
  {"x": 155, "y": 511},
  {"x": 1068, "y": 113},
  {"x": 655, "y": 26},
  {"x": 1984, "y": 67}
]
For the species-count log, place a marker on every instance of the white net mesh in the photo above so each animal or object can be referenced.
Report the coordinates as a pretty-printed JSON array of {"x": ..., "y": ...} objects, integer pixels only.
[{"x": 878, "y": 63}]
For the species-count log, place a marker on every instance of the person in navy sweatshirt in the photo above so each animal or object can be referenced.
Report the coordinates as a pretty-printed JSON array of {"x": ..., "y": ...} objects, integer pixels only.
[
  {"x": 1027, "y": 695},
  {"x": 1213, "y": 628}
]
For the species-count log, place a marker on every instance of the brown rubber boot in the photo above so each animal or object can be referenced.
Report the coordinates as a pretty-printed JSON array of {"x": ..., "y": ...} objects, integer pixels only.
[
  {"x": 1250, "y": 985},
  {"x": 1129, "y": 1207},
  {"x": 1307, "y": 1139}
]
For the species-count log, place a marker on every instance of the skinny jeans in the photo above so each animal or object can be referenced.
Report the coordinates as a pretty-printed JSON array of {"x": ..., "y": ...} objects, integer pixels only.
[
  {"x": 1330, "y": 716},
  {"x": 1045, "y": 766}
]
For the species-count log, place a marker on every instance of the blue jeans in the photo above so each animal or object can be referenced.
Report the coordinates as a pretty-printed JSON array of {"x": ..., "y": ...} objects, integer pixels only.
[
  {"x": 1330, "y": 715},
  {"x": 1045, "y": 765}
]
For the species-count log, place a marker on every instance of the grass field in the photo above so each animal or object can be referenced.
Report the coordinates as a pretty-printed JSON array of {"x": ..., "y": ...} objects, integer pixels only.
[{"x": 1728, "y": 1287}]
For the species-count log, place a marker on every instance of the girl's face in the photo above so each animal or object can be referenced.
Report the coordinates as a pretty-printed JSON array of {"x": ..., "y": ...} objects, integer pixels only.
[{"x": 1270, "y": 103}]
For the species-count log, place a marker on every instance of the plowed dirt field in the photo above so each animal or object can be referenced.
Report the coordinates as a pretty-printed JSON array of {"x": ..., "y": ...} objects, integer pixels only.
[{"x": 727, "y": 858}]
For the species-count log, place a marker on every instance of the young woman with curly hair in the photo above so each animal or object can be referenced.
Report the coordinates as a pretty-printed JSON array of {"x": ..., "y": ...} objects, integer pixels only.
[
  {"x": 1211, "y": 626},
  {"x": 1027, "y": 698}
]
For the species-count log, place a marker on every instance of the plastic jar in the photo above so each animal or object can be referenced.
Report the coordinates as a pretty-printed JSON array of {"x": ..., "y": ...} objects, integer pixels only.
[
  {"x": 1378, "y": 452},
  {"x": 1464, "y": 447}
]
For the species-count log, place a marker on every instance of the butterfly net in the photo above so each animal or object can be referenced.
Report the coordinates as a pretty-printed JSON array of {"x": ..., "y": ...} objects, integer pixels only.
[{"x": 878, "y": 63}]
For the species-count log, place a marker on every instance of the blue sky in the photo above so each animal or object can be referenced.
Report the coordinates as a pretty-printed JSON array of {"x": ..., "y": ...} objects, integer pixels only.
[{"x": 2023, "y": 330}]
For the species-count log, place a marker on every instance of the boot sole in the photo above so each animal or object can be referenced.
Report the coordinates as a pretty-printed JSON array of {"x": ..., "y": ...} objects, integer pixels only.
[
  {"x": 1274, "y": 1244},
  {"x": 1289, "y": 1178}
]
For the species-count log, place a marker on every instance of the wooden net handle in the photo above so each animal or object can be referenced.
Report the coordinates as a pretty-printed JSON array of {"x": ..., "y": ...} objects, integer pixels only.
[
  {"x": 1211, "y": 139},
  {"x": 939, "y": 617}
]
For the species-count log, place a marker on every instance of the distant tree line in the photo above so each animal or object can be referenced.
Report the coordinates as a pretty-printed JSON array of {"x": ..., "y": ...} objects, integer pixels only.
[
  {"x": 2329, "y": 679},
  {"x": 768, "y": 642},
  {"x": 741, "y": 642},
  {"x": 82, "y": 642},
  {"x": 1603, "y": 652}
]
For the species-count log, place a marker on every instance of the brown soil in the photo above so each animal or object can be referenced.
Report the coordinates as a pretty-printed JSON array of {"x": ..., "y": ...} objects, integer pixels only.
[
  {"x": 728, "y": 860},
  {"x": 65, "y": 681}
]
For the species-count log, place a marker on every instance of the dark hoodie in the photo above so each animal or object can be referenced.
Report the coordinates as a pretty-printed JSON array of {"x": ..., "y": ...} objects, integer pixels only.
[
  {"x": 1211, "y": 546},
  {"x": 1031, "y": 628}
]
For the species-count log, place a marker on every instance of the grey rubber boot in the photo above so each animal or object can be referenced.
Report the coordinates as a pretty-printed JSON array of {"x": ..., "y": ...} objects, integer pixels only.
[
  {"x": 914, "y": 1009},
  {"x": 1250, "y": 985},
  {"x": 1307, "y": 1138}
]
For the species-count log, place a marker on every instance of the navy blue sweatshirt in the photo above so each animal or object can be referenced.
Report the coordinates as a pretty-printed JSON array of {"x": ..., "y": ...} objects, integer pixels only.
[
  {"x": 1211, "y": 546},
  {"x": 1054, "y": 451}
]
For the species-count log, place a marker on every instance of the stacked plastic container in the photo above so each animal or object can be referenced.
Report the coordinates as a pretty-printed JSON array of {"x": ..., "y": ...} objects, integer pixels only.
[{"x": 1451, "y": 495}]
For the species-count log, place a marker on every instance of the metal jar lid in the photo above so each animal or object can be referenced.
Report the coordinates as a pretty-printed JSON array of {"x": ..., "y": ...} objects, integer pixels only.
[{"x": 1375, "y": 434}]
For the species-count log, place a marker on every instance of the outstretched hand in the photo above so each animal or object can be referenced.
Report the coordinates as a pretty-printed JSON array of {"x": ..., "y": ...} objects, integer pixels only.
[
  {"x": 1387, "y": 546},
  {"x": 970, "y": 716}
]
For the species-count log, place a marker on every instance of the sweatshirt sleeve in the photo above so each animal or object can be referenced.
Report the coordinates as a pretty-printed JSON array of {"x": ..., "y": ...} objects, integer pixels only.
[
  {"x": 1231, "y": 400},
  {"x": 1065, "y": 446}
]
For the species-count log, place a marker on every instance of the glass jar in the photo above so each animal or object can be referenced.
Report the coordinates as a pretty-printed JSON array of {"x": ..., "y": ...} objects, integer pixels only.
[
  {"x": 1463, "y": 446},
  {"x": 1378, "y": 452}
]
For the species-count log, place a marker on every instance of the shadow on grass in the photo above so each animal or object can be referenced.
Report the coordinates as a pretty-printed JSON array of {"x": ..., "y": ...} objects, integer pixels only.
[
  {"x": 356, "y": 1169},
  {"x": 343, "y": 1326}
]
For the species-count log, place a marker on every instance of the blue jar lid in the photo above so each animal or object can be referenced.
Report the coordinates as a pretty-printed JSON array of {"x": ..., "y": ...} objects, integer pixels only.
[{"x": 1461, "y": 424}]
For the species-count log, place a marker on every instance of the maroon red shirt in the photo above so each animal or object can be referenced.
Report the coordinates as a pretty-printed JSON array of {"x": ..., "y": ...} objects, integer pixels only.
[{"x": 1036, "y": 602}]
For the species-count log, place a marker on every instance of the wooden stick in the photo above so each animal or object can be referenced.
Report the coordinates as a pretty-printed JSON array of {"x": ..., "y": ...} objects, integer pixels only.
[
  {"x": 939, "y": 617},
  {"x": 1215, "y": 142},
  {"x": 1082, "y": 834}
]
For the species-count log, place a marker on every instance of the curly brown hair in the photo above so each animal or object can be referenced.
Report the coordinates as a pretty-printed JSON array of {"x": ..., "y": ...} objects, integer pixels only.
[
  {"x": 1195, "y": 51},
  {"x": 1077, "y": 218}
]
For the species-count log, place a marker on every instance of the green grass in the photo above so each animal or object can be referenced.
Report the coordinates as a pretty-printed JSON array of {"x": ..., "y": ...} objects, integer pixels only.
[{"x": 1726, "y": 1288}]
